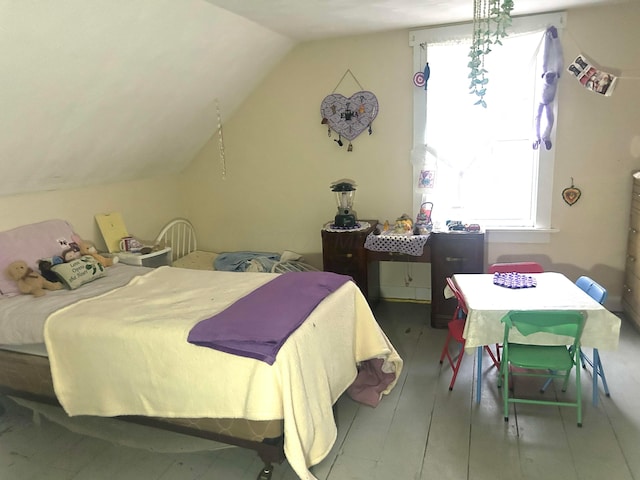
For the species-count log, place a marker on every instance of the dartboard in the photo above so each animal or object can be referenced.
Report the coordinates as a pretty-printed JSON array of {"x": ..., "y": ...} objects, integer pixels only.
[{"x": 349, "y": 117}]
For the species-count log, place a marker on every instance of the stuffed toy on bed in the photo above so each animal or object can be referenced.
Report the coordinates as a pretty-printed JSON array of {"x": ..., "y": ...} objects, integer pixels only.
[
  {"x": 29, "y": 281},
  {"x": 87, "y": 249},
  {"x": 44, "y": 265}
]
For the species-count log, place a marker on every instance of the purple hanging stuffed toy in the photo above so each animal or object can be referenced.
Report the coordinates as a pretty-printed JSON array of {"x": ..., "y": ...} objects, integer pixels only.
[{"x": 552, "y": 65}]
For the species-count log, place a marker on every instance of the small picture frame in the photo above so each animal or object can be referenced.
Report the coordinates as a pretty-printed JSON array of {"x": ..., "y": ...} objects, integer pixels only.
[{"x": 427, "y": 179}]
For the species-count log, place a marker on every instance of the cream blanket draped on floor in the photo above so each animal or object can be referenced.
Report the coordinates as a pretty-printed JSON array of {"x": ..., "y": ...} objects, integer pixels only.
[{"x": 126, "y": 353}]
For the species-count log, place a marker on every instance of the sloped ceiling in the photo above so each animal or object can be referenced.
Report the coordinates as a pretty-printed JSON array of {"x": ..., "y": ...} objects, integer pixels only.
[
  {"x": 97, "y": 91},
  {"x": 101, "y": 91}
]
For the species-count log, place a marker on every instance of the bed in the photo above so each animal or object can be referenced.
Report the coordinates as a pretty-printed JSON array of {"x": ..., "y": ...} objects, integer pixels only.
[
  {"x": 117, "y": 347},
  {"x": 180, "y": 235}
]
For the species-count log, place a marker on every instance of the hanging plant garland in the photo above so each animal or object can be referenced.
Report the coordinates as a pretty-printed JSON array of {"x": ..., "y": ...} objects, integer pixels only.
[{"x": 490, "y": 22}]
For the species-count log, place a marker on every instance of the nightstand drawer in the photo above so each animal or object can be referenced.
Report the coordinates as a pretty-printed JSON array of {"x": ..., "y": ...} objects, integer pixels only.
[{"x": 344, "y": 253}]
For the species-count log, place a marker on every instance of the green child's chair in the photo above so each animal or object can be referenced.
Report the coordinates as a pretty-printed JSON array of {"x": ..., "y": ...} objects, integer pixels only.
[{"x": 538, "y": 360}]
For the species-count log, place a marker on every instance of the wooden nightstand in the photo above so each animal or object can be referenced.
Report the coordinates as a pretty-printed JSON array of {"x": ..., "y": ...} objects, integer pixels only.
[{"x": 344, "y": 252}]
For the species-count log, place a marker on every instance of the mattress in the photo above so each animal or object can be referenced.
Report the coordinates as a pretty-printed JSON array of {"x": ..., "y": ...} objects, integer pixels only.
[
  {"x": 25, "y": 368},
  {"x": 132, "y": 333},
  {"x": 22, "y": 317},
  {"x": 30, "y": 374},
  {"x": 198, "y": 260}
]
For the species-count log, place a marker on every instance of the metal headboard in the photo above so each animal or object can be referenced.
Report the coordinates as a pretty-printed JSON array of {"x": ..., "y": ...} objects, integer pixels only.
[{"x": 180, "y": 235}]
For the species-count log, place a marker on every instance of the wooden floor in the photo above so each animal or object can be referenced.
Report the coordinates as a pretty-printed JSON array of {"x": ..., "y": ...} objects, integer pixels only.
[{"x": 420, "y": 431}]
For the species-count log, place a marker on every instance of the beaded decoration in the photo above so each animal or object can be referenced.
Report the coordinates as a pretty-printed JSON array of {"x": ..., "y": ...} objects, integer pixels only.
[{"x": 514, "y": 280}]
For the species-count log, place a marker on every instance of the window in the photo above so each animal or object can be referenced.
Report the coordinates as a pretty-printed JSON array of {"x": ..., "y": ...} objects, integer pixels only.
[{"x": 487, "y": 170}]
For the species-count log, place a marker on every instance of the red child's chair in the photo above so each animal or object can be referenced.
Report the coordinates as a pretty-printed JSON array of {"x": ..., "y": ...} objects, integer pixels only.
[
  {"x": 517, "y": 267},
  {"x": 455, "y": 330}
]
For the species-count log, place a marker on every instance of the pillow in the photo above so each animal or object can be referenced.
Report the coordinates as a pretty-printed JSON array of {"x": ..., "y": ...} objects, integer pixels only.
[
  {"x": 78, "y": 272},
  {"x": 31, "y": 243}
]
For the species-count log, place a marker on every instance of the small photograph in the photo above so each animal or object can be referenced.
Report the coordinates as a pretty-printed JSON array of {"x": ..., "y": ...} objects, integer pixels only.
[
  {"x": 591, "y": 77},
  {"x": 579, "y": 61},
  {"x": 427, "y": 179},
  {"x": 587, "y": 75}
]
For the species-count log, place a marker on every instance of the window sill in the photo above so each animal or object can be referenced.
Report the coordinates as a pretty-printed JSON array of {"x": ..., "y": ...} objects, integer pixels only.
[{"x": 519, "y": 235}]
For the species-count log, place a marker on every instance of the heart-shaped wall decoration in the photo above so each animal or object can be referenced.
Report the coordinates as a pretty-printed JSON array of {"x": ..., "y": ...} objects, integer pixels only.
[
  {"x": 571, "y": 195},
  {"x": 349, "y": 117}
]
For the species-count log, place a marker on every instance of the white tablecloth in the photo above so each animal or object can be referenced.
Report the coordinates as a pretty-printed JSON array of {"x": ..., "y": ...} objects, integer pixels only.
[{"x": 489, "y": 303}]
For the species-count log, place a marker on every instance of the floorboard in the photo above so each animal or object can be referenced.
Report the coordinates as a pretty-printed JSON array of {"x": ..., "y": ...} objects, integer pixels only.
[{"x": 421, "y": 431}]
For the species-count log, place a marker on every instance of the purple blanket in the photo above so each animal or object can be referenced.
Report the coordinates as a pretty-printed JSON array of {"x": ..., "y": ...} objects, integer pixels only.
[{"x": 258, "y": 324}]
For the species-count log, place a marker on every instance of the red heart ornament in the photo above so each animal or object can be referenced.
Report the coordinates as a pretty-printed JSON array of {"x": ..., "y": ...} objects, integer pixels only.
[
  {"x": 349, "y": 117},
  {"x": 571, "y": 195}
]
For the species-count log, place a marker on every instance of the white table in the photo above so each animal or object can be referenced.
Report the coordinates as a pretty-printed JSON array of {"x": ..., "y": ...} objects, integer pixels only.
[{"x": 488, "y": 304}]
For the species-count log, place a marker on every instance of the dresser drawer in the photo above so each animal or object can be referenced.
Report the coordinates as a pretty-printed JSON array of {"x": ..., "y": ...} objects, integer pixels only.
[
  {"x": 451, "y": 253},
  {"x": 344, "y": 253},
  {"x": 635, "y": 195},
  {"x": 346, "y": 263},
  {"x": 631, "y": 290},
  {"x": 633, "y": 244},
  {"x": 631, "y": 287}
]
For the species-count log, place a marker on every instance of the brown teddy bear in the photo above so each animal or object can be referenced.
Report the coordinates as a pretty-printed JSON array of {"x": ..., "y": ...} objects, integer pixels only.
[
  {"x": 87, "y": 249},
  {"x": 29, "y": 281}
]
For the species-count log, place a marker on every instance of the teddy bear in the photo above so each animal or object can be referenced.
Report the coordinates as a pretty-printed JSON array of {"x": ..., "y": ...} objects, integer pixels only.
[
  {"x": 88, "y": 249},
  {"x": 29, "y": 281}
]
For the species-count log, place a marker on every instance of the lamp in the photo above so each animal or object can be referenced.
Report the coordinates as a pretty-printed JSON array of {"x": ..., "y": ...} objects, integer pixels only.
[{"x": 345, "y": 192}]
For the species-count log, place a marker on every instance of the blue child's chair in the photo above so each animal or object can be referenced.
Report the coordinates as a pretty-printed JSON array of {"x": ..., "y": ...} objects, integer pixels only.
[{"x": 599, "y": 294}]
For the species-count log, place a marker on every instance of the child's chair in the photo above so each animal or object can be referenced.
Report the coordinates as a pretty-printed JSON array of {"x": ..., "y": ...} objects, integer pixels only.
[
  {"x": 455, "y": 332},
  {"x": 599, "y": 294}
]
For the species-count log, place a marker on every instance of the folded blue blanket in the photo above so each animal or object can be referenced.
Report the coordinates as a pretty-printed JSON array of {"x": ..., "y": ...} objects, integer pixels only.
[{"x": 258, "y": 324}]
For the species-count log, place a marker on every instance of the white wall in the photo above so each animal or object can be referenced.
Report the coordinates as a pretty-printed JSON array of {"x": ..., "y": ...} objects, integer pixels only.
[
  {"x": 145, "y": 205},
  {"x": 280, "y": 162}
]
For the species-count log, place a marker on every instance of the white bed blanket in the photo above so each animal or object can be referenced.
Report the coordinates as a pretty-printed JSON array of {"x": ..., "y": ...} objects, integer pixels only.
[
  {"x": 22, "y": 317},
  {"x": 126, "y": 353}
]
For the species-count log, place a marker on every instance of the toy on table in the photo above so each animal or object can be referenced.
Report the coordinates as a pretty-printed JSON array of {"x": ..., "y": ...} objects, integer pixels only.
[
  {"x": 403, "y": 224},
  {"x": 424, "y": 225},
  {"x": 30, "y": 282}
]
